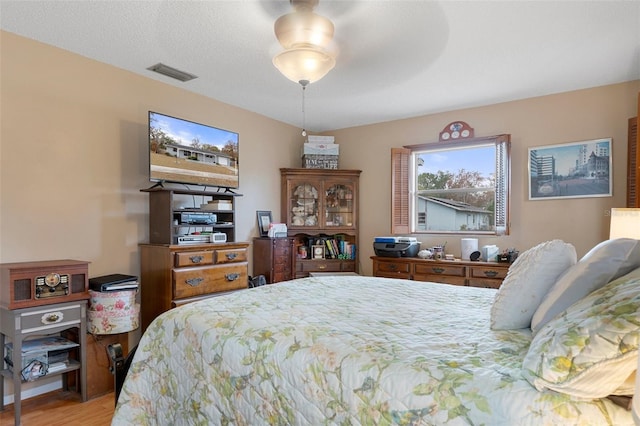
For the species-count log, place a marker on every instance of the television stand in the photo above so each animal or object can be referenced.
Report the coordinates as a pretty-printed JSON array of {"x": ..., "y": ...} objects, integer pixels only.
[{"x": 159, "y": 184}]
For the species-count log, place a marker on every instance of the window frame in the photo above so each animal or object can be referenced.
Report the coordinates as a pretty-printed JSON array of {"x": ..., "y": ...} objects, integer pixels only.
[{"x": 403, "y": 192}]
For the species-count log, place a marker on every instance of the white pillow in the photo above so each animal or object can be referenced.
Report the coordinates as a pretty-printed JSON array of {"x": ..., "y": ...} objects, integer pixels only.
[
  {"x": 528, "y": 280},
  {"x": 605, "y": 262},
  {"x": 591, "y": 349}
]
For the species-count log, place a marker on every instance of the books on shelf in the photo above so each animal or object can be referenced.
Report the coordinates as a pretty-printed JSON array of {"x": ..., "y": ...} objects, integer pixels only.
[{"x": 335, "y": 248}]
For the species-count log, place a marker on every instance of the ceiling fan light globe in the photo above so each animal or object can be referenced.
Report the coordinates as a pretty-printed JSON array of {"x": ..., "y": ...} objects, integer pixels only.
[
  {"x": 303, "y": 27},
  {"x": 304, "y": 63}
]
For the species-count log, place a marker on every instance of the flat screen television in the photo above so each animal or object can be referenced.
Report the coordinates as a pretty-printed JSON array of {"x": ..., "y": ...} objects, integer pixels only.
[{"x": 182, "y": 151}]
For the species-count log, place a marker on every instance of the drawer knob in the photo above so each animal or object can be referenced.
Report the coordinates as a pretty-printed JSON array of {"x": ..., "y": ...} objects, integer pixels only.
[
  {"x": 52, "y": 317},
  {"x": 321, "y": 267},
  {"x": 393, "y": 266},
  {"x": 232, "y": 277},
  {"x": 491, "y": 274},
  {"x": 196, "y": 259},
  {"x": 231, "y": 256},
  {"x": 438, "y": 270},
  {"x": 193, "y": 282}
]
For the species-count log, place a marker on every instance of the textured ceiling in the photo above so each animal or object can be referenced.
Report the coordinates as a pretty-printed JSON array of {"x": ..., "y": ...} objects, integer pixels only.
[{"x": 397, "y": 59}]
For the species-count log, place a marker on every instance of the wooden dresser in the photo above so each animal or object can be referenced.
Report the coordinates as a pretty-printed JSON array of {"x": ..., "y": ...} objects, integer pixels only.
[
  {"x": 273, "y": 258},
  {"x": 475, "y": 274},
  {"x": 172, "y": 275}
]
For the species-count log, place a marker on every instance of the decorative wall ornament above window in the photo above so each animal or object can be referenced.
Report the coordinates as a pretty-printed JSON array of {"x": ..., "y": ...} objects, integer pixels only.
[{"x": 456, "y": 130}]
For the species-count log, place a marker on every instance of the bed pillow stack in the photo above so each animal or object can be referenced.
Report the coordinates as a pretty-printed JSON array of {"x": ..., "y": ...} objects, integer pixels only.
[
  {"x": 529, "y": 278},
  {"x": 604, "y": 263},
  {"x": 590, "y": 350}
]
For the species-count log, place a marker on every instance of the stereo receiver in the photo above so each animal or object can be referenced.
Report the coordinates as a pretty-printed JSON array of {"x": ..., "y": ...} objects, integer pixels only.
[{"x": 198, "y": 218}]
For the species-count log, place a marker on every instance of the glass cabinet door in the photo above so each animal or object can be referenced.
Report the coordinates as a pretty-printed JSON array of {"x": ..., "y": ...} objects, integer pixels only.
[
  {"x": 339, "y": 205},
  {"x": 303, "y": 205}
]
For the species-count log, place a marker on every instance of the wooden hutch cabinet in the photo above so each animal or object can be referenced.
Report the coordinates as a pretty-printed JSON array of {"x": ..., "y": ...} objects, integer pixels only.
[
  {"x": 474, "y": 274},
  {"x": 320, "y": 209}
]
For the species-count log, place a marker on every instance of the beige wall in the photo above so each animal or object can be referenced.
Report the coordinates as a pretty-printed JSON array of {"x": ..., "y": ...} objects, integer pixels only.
[
  {"x": 74, "y": 156},
  {"x": 581, "y": 115}
]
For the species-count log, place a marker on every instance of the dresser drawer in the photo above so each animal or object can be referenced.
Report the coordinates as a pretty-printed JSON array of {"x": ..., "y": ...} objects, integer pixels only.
[
  {"x": 391, "y": 267},
  {"x": 440, "y": 269},
  {"x": 193, "y": 258},
  {"x": 444, "y": 279},
  {"x": 230, "y": 255},
  {"x": 281, "y": 267},
  {"x": 281, "y": 247},
  {"x": 320, "y": 266},
  {"x": 191, "y": 282},
  {"x": 487, "y": 283},
  {"x": 488, "y": 272},
  {"x": 49, "y": 317}
]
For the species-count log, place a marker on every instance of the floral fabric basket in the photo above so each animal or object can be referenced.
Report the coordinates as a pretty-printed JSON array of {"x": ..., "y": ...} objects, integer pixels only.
[{"x": 113, "y": 312}]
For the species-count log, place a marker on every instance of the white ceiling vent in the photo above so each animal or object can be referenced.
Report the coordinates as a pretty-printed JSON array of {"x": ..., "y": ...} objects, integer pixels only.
[{"x": 163, "y": 69}]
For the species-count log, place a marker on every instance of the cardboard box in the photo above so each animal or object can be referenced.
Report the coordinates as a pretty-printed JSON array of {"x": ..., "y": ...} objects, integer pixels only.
[
  {"x": 321, "y": 139},
  {"x": 320, "y": 149},
  {"x": 218, "y": 205}
]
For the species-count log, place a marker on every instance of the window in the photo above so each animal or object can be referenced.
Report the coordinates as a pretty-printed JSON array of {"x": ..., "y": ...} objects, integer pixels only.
[{"x": 457, "y": 187}]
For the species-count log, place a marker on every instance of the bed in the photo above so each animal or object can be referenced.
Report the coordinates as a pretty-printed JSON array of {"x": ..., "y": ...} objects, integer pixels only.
[{"x": 352, "y": 350}]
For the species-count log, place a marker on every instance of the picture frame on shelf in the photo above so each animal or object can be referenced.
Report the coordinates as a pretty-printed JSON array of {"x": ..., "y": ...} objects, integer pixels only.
[
  {"x": 264, "y": 221},
  {"x": 571, "y": 170},
  {"x": 317, "y": 252}
]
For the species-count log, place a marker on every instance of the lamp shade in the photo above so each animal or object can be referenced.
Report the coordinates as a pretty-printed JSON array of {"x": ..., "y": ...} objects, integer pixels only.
[
  {"x": 625, "y": 223},
  {"x": 303, "y": 27},
  {"x": 304, "y": 63}
]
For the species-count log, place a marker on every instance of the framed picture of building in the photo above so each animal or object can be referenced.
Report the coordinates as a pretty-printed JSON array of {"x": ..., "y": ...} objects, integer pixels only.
[{"x": 571, "y": 170}]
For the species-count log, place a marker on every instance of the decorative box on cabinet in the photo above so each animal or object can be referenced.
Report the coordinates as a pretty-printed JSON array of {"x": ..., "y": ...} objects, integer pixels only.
[
  {"x": 273, "y": 258},
  {"x": 320, "y": 205},
  {"x": 173, "y": 275},
  {"x": 474, "y": 274}
]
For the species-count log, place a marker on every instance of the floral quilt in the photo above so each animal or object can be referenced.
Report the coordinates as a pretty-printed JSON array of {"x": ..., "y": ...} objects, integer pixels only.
[{"x": 343, "y": 350}]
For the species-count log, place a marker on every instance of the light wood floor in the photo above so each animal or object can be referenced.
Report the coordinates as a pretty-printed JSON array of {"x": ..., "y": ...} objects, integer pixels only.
[{"x": 61, "y": 409}]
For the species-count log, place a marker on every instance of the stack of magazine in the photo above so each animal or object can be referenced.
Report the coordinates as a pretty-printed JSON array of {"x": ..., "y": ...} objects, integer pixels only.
[{"x": 41, "y": 356}]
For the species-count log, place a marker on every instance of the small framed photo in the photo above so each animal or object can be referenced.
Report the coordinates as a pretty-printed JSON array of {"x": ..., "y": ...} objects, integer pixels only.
[
  {"x": 317, "y": 252},
  {"x": 264, "y": 220}
]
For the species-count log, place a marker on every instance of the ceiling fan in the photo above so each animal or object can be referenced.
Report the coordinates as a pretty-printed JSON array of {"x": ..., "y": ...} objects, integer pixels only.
[{"x": 306, "y": 38}]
